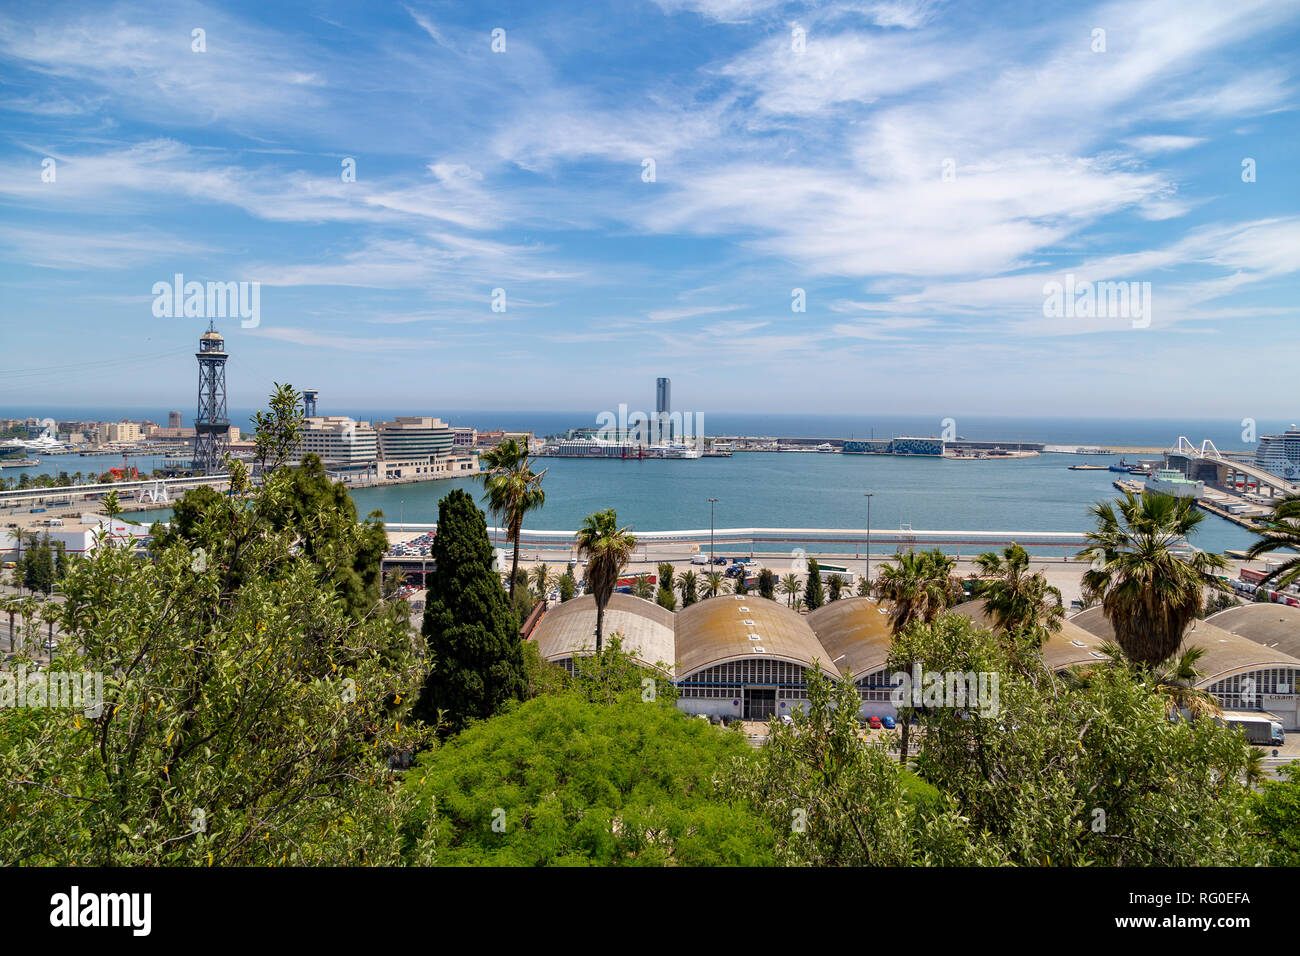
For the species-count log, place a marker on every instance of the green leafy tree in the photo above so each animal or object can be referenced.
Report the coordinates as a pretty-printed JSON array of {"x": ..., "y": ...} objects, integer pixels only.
[
  {"x": 278, "y": 432},
  {"x": 767, "y": 584},
  {"x": 665, "y": 598},
  {"x": 1276, "y": 810},
  {"x": 474, "y": 656},
  {"x": 248, "y": 723},
  {"x": 918, "y": 587},
  {"x": 1062, "y": 774},
  {"x": 561, "y": 780},
  {"x": 1149, "y": 593},
  {"x": 38, "y": 568},
  {"x": 607, "y": 549},
  {"x": 834, "y": 588},
  {"x": 833, "y": 799},
  {"x": 513, "y": 489},
  {"x": 567, "y": 586},
  {"x": 813, "y": 595}
]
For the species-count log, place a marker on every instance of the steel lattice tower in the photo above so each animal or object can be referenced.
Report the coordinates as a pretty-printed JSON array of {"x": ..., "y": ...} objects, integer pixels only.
[{"x": 211, "y": 422}]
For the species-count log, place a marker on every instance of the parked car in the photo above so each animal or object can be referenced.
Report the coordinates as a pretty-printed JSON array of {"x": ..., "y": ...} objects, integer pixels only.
[
  {"x": 888, "y": 722},
  {"x": 719, "y": 560},
  {"x": 873, "y": 723}
]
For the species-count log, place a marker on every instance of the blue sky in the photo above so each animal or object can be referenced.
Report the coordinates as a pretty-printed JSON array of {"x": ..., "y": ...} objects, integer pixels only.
[{"x": 776, "y": 169}]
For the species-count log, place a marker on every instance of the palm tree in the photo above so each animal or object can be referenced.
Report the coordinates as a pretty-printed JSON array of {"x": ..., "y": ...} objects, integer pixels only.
[
  {"x": 513, "y": 490},
  {"x": 918, "y": 588},
  {"x": 1280, "y": 531},
  {"x": 1016, "y": 601},
  {"x": 642, "y": 587},
  {"x": 713, "y": 583},
  {"x": 686, "y": 584},
  {"x": 541, "y": 578},
  {"x": 790, "y": 587},
  {"x": 1254, "y": 772},
  {"x": 608, "y": 548},
  {"x": 1148, "y": 593}
]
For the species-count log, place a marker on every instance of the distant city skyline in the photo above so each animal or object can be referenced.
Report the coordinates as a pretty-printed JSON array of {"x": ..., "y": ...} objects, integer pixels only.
[{"x": 783, "y": 207}]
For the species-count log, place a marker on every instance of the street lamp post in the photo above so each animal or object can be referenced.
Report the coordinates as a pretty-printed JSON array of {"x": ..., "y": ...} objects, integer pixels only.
[
  {"x": 712, "y": 503},
  {"x": 868, "y": 495},
  {"x": 401, "y": 514}
]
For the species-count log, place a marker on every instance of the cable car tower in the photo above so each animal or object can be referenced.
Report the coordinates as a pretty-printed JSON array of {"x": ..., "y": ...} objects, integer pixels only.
[{"x": 211, "y": 422}]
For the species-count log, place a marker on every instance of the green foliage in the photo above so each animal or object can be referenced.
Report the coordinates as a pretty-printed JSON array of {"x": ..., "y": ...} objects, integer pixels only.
[
  {"x": 474, "y": 655},
  {"x": 512, "y": 490},
  {"x": 279, "y": 431},
  {"x": 1280, "y": 531},
  {"x": 1023, "y": 605},
  {"x": 607, "y": 549},
  {"x": 1149, "y": 593},
  {"x": 835, "y": 588},
  {"x": 665, "y": 597},
  {"x": 767, "y": 584},
  {"x": 686, "y": 584},
  {"x": 571, "y": 782},
  {"x": 1058, "y": 772},
  {"x": 246, "y": 720},
  {"x": 1276, "y": 808},
  {"x": 832, "y": 799},
  {"x": 567, "y": 586},
  {"x": 813, "y": 598},
  {"x": 38, "y": 565}
]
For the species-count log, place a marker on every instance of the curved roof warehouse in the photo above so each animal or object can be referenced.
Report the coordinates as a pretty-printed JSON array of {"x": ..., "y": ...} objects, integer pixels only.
[{"x": 746, "y": 656}]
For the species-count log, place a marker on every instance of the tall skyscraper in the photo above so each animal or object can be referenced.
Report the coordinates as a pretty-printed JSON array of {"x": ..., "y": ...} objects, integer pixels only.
[
  {"x": 309, "y": 396},
  {"x": 211, "y": 422},
  {"x": 664, "y": 407},
  {"x": 174, "y": 419}
]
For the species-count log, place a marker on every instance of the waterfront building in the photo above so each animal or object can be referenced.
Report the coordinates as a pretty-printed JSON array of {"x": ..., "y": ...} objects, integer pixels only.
[
  {"x": 428, "y": 468},
  {"x": 664, "y": 407},
  {"x": 123, "y": 431},
  {"x": 927, "y": 447},
  {"x": 339, "y": 441},
  {"x": 174, "y": 419},
  {"x": 745, "y": 656},
  {"x": 462, "y": 437},
  {"x": 414, "y": 437},
  {"x": 1280, "y": 454}
]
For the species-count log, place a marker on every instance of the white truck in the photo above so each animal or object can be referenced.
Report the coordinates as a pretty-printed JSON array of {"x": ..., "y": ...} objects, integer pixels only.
[{"x": 1260, "y": 728}]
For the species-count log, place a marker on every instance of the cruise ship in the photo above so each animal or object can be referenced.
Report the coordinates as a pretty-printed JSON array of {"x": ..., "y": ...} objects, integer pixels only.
[
  {"x": 1280, "y": 454},
  {"x": 597, "y": 448}
]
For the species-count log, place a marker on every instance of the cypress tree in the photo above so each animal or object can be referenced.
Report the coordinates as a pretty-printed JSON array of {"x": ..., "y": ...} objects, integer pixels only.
[
  {"x": 812, "y": 592},
  {"x": 475, "y": 656}
]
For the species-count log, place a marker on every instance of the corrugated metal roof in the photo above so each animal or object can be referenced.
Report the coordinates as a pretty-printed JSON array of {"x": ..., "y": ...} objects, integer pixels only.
[
  {"x": 1225, "y": 653},
  {"x": 1273, "y": 625}
]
